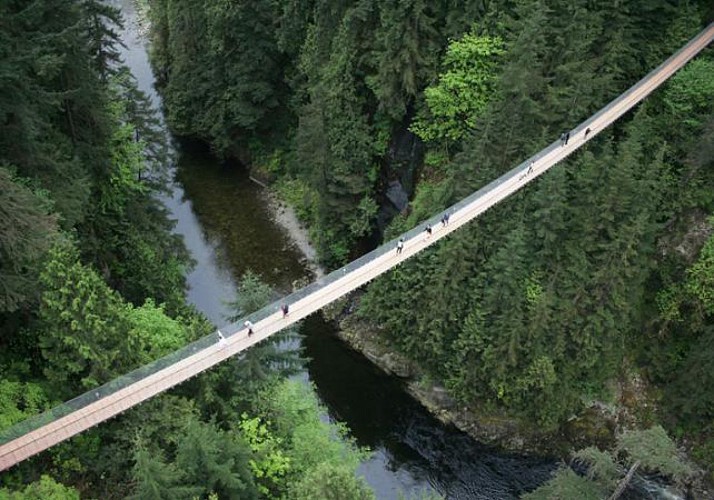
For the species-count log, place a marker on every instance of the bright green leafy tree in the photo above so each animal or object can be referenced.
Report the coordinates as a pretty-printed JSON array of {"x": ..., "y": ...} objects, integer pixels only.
[{"x": 465, "y": 87}]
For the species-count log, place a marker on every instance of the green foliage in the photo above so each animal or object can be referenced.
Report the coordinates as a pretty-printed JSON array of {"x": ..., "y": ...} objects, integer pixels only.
[
  {"x": 88, "y": 334},
  {"x": 405, "y": 52},
  {"x": 331, "y": 482},
  {"x": 236, "y": 90},
  {"x": 152, "y": 333},
  {"x": 689, "y": 395},
  {"x": 251, "y": 294},
  {"x": 686, "y": 309},
  {"x": 157, "y": 480},
  {"x": 129, "y": 230},
  {"x": 297, "y": 194},
  {"x": 655, "y": 450},
  {"x": 286, "y": 450},
  {"x": 44, "y": 489},
  {"x": 464, "y": 89},
  {"x": 566, "y": 485},
  {"x": 20, "y": 400},
  {"x": 269, "y": 464},
  {"x": 651, "y": 449},
  {"x": 294, "y": 414},
  {"x": 54, "y": 123},
  {"x": 689, "y": 95},
  {"x": 322, "y": 458},
  {"x": 215, "y": 461},
  {"x": 699, "y": 284},
  {"x": 704, "y": 452},
  {"x": 27, "y": 229},
  {"x": 602, "y": 467},
  {"x": 83, "y": 326}
]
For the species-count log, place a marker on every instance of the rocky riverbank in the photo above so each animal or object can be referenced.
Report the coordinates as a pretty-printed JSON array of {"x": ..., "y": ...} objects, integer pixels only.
[
  {"x": 629, "y": 405},
  {"x": 596, "y": 425},
  {"x": 490, "y": 428},
  {"x": 284, "y": 215}
]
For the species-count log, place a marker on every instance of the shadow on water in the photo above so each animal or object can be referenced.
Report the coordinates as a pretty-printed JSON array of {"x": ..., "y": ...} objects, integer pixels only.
[{"x": 416, "y": 449}]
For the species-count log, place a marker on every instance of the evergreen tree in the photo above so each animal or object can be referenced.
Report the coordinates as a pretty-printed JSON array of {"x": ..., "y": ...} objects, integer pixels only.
[
  {"x": 328, "y": 482},
  {"x": 82, "y": 325},
  {"x": 101, "y": 21},
  {"x": 27, "y": 228},
  {"x": 157, "y": 480},
  {"x": 274, "y": 358},
  {"x": 215, "y": 461},
  {"x": 650, "y": 449},
  {"x": 404, "y": 53}
]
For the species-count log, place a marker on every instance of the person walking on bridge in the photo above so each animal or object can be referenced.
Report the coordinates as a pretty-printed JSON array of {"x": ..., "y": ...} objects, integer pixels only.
[
  {"x": 428, "y": 232},
  {"x": 400, "y": 245},
  {"x": 445, "y": 219},
  {"x": 249, "y": 327},
  {"x": 286, "y": 309},
  {"x": 564, "y": 138}
]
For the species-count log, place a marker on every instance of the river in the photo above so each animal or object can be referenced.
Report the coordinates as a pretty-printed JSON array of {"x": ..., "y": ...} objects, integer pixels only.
[{"x": 412, "y": 451}]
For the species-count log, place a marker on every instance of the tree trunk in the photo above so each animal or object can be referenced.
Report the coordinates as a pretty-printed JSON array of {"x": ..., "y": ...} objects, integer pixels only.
[{"x": 624, "y": 482}]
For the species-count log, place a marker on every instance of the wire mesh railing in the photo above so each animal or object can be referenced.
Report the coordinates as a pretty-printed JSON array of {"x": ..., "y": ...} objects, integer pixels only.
[{"x": 518, "y": 173}]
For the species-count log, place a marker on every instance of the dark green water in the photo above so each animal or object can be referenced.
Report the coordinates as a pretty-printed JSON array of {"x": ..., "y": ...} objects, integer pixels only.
[{"x": 227, "y": 228}]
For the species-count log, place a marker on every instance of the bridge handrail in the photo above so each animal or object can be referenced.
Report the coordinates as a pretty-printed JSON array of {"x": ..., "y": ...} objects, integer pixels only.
[{"x": 35, "y": 422}]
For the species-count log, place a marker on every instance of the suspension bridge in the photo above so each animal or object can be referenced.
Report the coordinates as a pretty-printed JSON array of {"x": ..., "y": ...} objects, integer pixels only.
[{"x": 40, "y": 432}]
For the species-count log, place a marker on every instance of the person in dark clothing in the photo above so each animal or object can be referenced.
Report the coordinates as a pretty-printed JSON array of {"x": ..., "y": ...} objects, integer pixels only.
[
  {"x": 564, "y": 138},
  {"x": 587, "y": 133},
  {"x": 428, "y": 231},
  {"x": 286, "y": 309},
  {"x": 445, "y": 219}
]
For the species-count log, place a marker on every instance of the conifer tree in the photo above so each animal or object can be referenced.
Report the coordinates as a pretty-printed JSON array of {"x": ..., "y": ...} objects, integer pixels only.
[
  {"x": 156, "y": 480},
  {"x": 404, "y": 54},
  {"x": 215, "y": 461}
]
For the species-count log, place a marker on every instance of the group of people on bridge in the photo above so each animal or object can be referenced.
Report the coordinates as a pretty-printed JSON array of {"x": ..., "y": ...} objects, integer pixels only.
[
  {"x": 285, "y": 308},
  {"x": 248, "y": 324}
]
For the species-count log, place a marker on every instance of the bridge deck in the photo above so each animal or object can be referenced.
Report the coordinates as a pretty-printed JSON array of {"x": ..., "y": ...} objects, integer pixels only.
[{"x": 39, "y": 433}]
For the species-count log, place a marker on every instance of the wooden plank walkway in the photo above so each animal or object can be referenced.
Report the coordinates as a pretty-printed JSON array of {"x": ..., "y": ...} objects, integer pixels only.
[{"x": 336, "y": 286}]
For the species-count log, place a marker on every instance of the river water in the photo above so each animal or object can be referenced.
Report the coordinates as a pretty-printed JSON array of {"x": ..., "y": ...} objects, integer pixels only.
[{"x": 412, "y": 451}]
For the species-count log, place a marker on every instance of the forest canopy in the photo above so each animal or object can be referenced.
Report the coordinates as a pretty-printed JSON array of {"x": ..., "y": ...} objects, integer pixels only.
[
  {"x": 92, "y": 286},
  {"x": 599, "y": 272},
  {"x": 556, "y": 296}
]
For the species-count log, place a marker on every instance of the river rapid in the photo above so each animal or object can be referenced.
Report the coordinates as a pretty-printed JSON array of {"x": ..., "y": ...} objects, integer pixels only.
[{"x": 412, "y": 451}]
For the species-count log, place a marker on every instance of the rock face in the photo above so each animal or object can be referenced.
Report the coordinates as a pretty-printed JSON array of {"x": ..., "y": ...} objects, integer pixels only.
[
  {"x": 397, "y": 196},
  {"x": 687, "y": 236},
  {"x": 366, "y": 341},
  {"x": 596, "y": 425}
]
